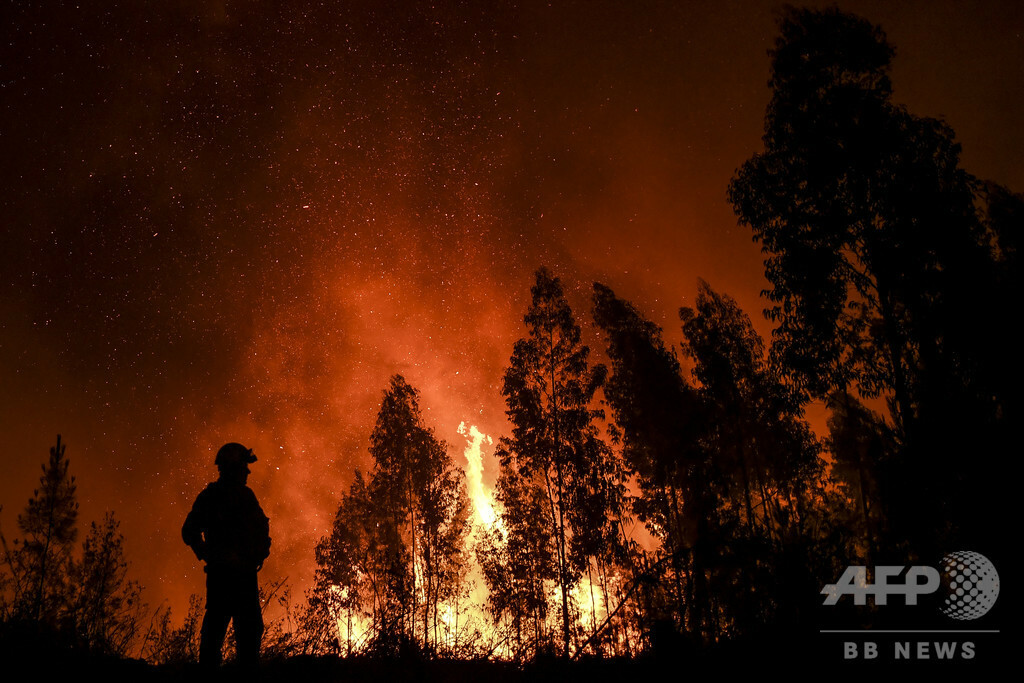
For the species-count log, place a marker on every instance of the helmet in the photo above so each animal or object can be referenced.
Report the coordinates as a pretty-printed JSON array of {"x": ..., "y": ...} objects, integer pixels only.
[{"x": 234, "y": 455}]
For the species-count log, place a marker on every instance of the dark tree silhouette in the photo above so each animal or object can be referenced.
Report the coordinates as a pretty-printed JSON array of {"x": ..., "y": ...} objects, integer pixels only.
[
  {"x": 763, "y": 456},
  {"x": 106, "y": 606},
  {"x": 877, "y": 258},
  {"x": 862, "y": 446},
  {"x": 728, "y": 470},
  {"x": 659, "y": 419},
  {"x": 61, "y": 602},
  {"x": 762, "y": 442},
  {"x": 548, "y": 388},
  {"x": 38, "y": 565},
  {"x": 165, "y": 644}
]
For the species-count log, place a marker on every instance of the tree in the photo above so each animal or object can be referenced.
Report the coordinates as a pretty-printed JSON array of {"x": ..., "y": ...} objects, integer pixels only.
[
  {"x": 726, "y": 468},
  {"x": 876, "y": 258},
  {"x": 444, "y": 511},
  {"x": 38, "y": 565},
  {"x": 862, "y": 445},
  {"x": 396, "y": 548},
  {"x": 764, "y": 446},
  {"x": 417, "y": 484},
  {"x": 106, "y": 606},
  {"x": 762, "y": 454},
  {"x": 548, "y": 388},
  {"x": 357, "y": 578},
  {"x": 518, "y": 559},
  {"x": 659, "y": 421},
  {"x": 164, "y": 644}
]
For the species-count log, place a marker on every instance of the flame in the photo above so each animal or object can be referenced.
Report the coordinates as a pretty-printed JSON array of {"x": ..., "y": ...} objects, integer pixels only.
[
  {"x": 465, "y": 617},
  {"x": 587, "y": 596},
  {"x": 484, "y": 516},
  {"x": 352, "y": 627},
  {"x": 589, "y": 599},
  {"x": 475, "y": 474}
]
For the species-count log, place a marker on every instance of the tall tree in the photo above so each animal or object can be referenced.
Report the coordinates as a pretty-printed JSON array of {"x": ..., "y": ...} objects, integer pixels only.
[
  {"x": 876, "y": 256},
  {"x": 762, "y": 451},
  {"x": 39, "y": 564},
  {"x": 395, "y": 550},
  {"x": 659, "y": 418},
  {"x": 548, "y": 388},
  {"x": 518, "y": 559},
  {"x": 361, "y": 573},
  {"x": 862, "y": 446},
  {"x": 764, "y": 444},
  {"x": 417, "y": 484},
  {"x": 443, "y": 518}
]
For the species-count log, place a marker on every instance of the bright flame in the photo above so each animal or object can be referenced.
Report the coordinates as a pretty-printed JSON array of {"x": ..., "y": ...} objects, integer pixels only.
[
  {"x": 484, "y": 517},
  {"x": 475, "y": 474},
  {"x": 590, "y": 600},
  {"x": 464, "y": 619},
  {"x": 353, "y": 627}
]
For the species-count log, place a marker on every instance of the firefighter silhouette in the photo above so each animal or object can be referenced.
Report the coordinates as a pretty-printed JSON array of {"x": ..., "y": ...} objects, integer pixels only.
[{"x": 228, "y": 531}]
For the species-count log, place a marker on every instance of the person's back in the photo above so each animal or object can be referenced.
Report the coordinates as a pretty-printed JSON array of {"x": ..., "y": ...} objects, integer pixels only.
[
  {"x": 228, "y": 530},
  {"x": 235, "y": 532}
]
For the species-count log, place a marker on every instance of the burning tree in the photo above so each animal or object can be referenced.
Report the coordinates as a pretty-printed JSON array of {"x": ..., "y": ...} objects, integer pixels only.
[
  {"x": 548, "y": 389},
  {"x": 395, "y": 551},
  {"x": 518, "y": 561}
]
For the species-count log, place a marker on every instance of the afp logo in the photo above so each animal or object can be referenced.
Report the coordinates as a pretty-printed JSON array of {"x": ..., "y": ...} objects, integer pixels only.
[{"x": 968, "y": 579}]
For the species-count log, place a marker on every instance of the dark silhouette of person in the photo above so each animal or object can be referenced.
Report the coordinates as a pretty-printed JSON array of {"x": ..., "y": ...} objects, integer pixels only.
[{"x": 228, "y": 530}]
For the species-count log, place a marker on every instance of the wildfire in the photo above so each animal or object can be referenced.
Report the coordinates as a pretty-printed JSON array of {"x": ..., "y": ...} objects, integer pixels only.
[
  {"x": 475, "y": 474},
  {"x": 353, "y": 627},
  {"x": 463, "y": 619}
]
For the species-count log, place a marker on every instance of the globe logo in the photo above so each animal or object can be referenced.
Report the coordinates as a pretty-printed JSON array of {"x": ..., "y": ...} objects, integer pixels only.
[{"x": 971, "y": 583}]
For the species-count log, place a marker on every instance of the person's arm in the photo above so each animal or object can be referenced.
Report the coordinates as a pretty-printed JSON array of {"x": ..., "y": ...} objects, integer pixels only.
[
  {"x": 264, "y": 551},
  {"x": 192, "y": 529},
  {"x": 261, "y": 524}
]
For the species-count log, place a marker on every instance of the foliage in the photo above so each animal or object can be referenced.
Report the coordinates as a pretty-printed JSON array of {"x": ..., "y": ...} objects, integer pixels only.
[
  {"x": 762, "y": 445},
  {"x": 727, "y": 470},
  {"x": 862, "y": 447},
  {"x": 395, "y": 552},
  {"x": 84, "y": 602},
  {"x": 105, "y": 606},
  {"x": 887, "y": 266},
  {"x": 763, "y": 457},
  {"x": 38, "y": 566},
  {"x": 659, "y": 417},
  {"x": 882, "y": 270},
  {"x": 548, "y": 388},
  {"x": 166, "y": 645},
  {"x": 518, "y": 562}
]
